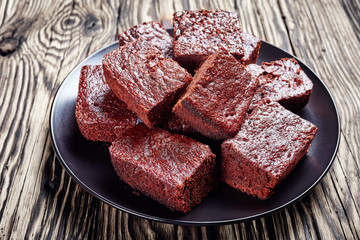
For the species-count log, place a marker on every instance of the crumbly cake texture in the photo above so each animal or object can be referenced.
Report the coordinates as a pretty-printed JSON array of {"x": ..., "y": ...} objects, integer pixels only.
[
  {"x": 173, "y": 169},
  {"x": 198, "y": 34},
  {"x": 285, "y": 82},
  {"x": 99, "y": 113},
  {"x": 145, "y": 80},
  {"x": 151, "y": 31},
  {"x": 251, "y": 45},
  {"x": 270, "y": 143},
  {"x": 177, "y": 125},
  {"x": 216, "y": 101},
  {"x": 254, "y": 70}
]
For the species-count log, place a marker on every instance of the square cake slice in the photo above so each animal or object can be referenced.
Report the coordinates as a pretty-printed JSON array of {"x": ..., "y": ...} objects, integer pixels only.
[
  {"x": 99, "y": 113},
  {"x": 151, "y": 31},
  {"x": 145, "y": 80},
  {"x": 270, "y": 143},
  {"x": 198, "y": 34},
  {"x": 285, "y": 82},
  {"x": 173, "y": 169},
  {"x": 251, "y": 45},
  {"x": 217, "y": 100}
]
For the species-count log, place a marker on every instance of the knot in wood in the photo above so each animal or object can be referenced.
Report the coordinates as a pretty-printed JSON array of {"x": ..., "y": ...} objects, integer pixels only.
[
  {"x": 9, "y": 45},
  {"x": 92, "y": 24},
  {"x": 71, "y": 22}
]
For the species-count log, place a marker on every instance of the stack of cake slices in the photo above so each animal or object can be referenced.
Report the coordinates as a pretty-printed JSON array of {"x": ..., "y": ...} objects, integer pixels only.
[{"x": 194, "y": 92}]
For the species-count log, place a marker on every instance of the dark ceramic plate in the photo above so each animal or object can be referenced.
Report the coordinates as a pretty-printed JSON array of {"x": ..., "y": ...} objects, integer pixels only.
[{"x": 89, "y": 162}]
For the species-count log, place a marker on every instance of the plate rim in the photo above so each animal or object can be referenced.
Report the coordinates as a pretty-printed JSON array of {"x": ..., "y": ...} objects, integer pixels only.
[{"x": 179, "y": 221}]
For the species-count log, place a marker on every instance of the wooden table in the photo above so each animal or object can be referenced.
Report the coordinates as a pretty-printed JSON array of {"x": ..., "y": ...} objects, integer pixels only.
[{"x": 40, "y": 43}]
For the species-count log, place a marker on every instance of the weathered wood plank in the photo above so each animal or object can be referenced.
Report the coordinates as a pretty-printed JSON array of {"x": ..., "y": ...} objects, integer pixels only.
[
  {"x": 40, "y": 43},
  {"x": 49, "y": 50},
  {"x": 335, "y": 62}
]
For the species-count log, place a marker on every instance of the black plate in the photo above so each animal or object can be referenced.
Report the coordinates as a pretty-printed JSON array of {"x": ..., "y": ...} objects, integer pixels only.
[{"x": 89, "y": 162}]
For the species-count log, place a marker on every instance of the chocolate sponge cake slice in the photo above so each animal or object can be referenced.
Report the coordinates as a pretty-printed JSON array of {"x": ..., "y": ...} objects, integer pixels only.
[
  {"x": 145, "y": 80},
  {"x": 151, "y": 31},
  {"x": 99, "y": 113},
  {"x": 271, "y": 142},
  {"x": 285, "y": 82},
  {"x": 251, "y": 45},
  {"x": 198, "y": 34},
  {"x": 173, "y": 169},
  {"x": 217, "y": 100}
]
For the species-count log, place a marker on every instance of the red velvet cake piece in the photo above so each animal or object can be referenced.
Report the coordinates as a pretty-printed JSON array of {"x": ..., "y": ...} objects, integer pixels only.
[
  {"x": 99, "y": 113},
  {"x": 217, "y": 100},
  {"x": 285, "y": 82},
  {"x": 251, "y": 45},
  {"x": 151, "y": 31},
  {"x": 173, "y": 169},
  {"x": 178, "y": 125},
  {"x": 145, "y": 80},
  {"x": 270, "y": 143},
  {"x": 198, "y": 34}
]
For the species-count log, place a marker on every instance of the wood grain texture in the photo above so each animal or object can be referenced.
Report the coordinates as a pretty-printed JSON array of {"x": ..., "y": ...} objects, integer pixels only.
[{"x": 42, "y": 41}]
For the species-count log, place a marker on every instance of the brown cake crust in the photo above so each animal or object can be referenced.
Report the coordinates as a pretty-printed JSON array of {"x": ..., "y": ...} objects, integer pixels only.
[
  {"x": 151, "y": 31},
  {"x": 198, "y": 34},
  {"x": 145, "y": 80},
  {"x": 99, "y": 113},
  {"x": 285, "y": 82},
  {"x": 251, "y": 45},
  {"x": 217, "y": 99},
  {"x": 270, "y": 143},
  {"x": 175, "y": 170}
]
